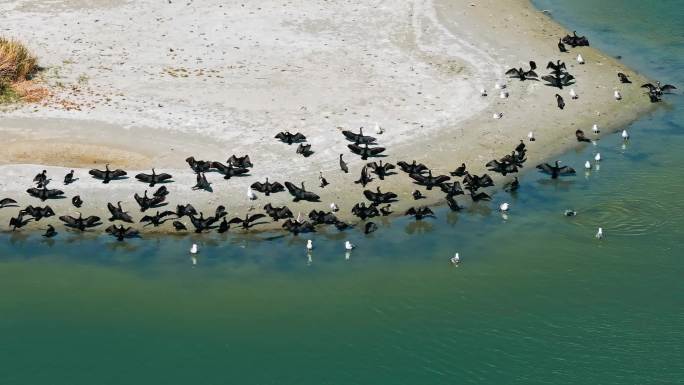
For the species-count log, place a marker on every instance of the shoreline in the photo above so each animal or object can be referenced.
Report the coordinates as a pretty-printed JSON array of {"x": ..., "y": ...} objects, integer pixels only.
[{"x": 473, "y": 139}]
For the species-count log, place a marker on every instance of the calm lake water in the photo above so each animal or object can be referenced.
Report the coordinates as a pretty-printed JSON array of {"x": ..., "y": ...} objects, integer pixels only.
[{"x": 536, "y": 300}]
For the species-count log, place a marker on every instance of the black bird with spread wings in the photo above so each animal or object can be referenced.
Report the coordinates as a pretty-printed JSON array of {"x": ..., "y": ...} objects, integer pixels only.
[
  {"x": 19, "y": 221},
  {"x": 107, "y": 175},
  {"x": 7, "y": 202},
  {"x": 358, "y": 138},
  {"x": 379, "y": 197},
  {"x": 365, "y": 177},
  {"x": 202, "y": 224},
  {"x": 277, "y": 213},
  {"x": 574, "y": 40},
  {"x": 659, "y": 89},
  {"x": 229, "y": 171},
  {"x": 300, "y": 193},
  {"x": 523, "y": 75},
  {"x": 118, "y": 213},
  {"x": 248, "y": 221},
  {"x": 157, "y": 219},
  {"x": 198, "y": 166},
  {"x": 267, "y": 187},
  {"x": 297, "y": 228},
  {"x": 289, "y": 138},
  {"x": 121, "y": 232},
  {"x": 428, "y": 180},
  {"x": 365, "y": 151},
  {"x": 420, "y": 212},
  {"x": 304, "y": 149},
  {"x": 202, "y": 183},
  {"x": 146, "y": 202},
  {"x": 38, "y": 213},
  {"x": 451, "y": 189},
  {"x": 240, "y": 161},
  {"x": 44, "y": 193},
  {"x": 80, "y": 223},
  {"x": 153, "y": 178},
  {"x": 556, "y": 169},
  {"x": 559, "y": 81},
  {"x": 380, "y": 169},
  {"x": 412, "y": 168},
  {"x": 185, "y": 210},
  {"x": 363, "y": 212}
]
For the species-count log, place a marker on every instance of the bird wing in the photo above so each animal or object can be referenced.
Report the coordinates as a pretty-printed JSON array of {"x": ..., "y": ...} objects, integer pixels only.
[
  {"x": 277, "y": 187},
  {"x": 309, "y": 196},
  {"x": 34, "y": 191},
  {"x": 131, "y": 232},
  {"x": 376, "y": 150},
  {"x": 91, "y": 220},
  {"x": 403, "y": 166},
  {"x": 298, "y": 137},
  {"x": 118, "y": 173},
  {"x": 54, "y": 193},
  {"x": 355, "y": 148},
  {"x": 350, "y": 135},
  {"x": 255, "y": 217},
  {"x": 235, "y": 220},
  {"x": 545, "y": 167},
  {"x": 566, "y": 170},
  {"x": 441, "y": 179},
  {"x": 531, "y": 74},
  {"x": 411, "y": 211},
  {"x": 144, "y": 177},
  {"x": 292, "y": 188},
  {"x": 550, "y": 78},
  {"x": 418, "y": 178},
  {"x": 166, "y": 214},
  {"x": 389, "y": 166},
  {"x": 68, "y": 220},
  {"x": 282, "y": 136},
  {"x": 551, "y": 65},
  {"x": 373, "y": 165},
  {"x": 99, "y": 174},
  {"x": 512, "y": 71},
  {"x": 220, "y": 167},
  {"x": 371, "y": 196},
  {"x": 668, "y": 87},
  {"x": 163, "y": 176}
]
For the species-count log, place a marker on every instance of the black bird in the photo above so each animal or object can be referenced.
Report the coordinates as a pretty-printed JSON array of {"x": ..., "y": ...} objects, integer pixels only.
[
  {"x": 365, "y": 177},
  {"x": 559, "y": 81},
  {"x": 453, "y": 205},
  {"x": 386, "y": 210},
  {"x": 365, "y": 151},
  {"x": 185, "y": 210},
  {"x": 50, "y": 232},
  {"x": 420, "y": 212},
  {"x": 157, "y": 219},
  {"x": 202, "y": 224},
  {"x": 202, "y": 183},
  {"x": 223, "y": 226},
  {"x": 320, "y": 217},
  {"x": 380, "y": 169},
  {"x": 220, "y": 212},
  {"x": 296, "y": 228},
  {"x": 557, "y": 67},
  {"x": 659, "y": 89},
  {"x": 574, "y": 40},
  {"x": 277, "y": 213},
  {"x": 304, "y": 149},
  {"x": 417, "y": 195},
  {"x": 7, "y": 202},
  {"x": 358, "y": 138},
  {"x": 40, "y": 178},
  {"x": 77, "y": 201},
  {"x": 146, "y": 202},
  {"x": 198, "y": 166},
  {"x": 429, "y": 181},
  {"x": 118, "y": 214},
  {"x": 520, "y": 147},
  {"x": 412, "y": 168},
  {"x": 289, "y": 138},
  {"x": 44, "y": 193},
  {"x": 162, "y": 191},
  {"x": 242, "y": 161},
  {"x": 579, "y": 134},
  {"x": 522, "y": 74},
  {"x": 121, "y": 233},
  {"x": 501, "y": 167},
  {"x": 481, "y": 196},
  {"x": 379, "y": 197},
  {"x": 362, "y": 211},
  {"x": 343, "y": 165},
  {"x": 153, "y": 178},
  {"x": 342, "y": 225},
  {"x": 560, "y": 102},
  {"x": 460, "y": 170},
  {"x": 267, "y": 187},
  {"x": 107, "y": 175},
  {"x": 19, "y": 221},
  {"x": 369, "y": 227},
  {"x": 323, "y": 181},
  {"x": 38, "y": 213},
  {"x": 623, "y": 78},
  {"x": 452, "y": 189},
  {"x": 561, "y": 46},
  {"x": 80, "y": 223},
  {"x": 229, "y": 171},
  {"x": 69, "y": 178},
  {"x": 300, "y": 193},
  {"x": 556, "y": 170},
  {"x": 474, "y": 182},
  {"x": 513, "y": 185},
  {"x": 248, "y": 221},
  {"x": 179, "y": 226}
]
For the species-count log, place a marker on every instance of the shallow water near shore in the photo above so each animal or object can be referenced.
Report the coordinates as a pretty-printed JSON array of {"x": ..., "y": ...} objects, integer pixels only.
[{"x": 536, "y": 300}]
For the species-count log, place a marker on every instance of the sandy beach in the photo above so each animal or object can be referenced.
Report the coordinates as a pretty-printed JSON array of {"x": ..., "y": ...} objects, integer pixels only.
[{"x": 144, "y": 84}]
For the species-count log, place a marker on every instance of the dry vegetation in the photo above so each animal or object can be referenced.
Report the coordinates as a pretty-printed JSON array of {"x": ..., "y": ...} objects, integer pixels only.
[{"x": 17, "y": 65}]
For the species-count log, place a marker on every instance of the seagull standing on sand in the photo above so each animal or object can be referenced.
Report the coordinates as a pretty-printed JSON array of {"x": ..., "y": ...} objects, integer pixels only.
[
  {"x": 530, "y": 136},
  {"x": 498, "y": 115},
  {"x": 503, "y": 94},
  {"x": 580, "y": 59},
  {"x": 500, "y": 86},
  {"x": 334, "y": 208},
  {"x": 455, "y": 260},
  {"x": 378, "y": 130},
  {"x": 595, "y": 129},
  {"x": 617, "y": 95},
  {"x": 483, "y": 92},
  {"x": 599, "y": 233},
  {"x": 250, "y": 194},
  {"x": 573, "y": 94}
]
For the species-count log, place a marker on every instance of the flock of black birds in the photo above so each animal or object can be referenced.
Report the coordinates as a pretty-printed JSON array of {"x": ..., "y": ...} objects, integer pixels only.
[{"x": 378, "y": 203}]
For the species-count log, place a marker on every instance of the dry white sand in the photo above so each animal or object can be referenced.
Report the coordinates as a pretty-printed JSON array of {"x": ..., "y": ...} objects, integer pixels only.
[{"x": 143, "y": 84}]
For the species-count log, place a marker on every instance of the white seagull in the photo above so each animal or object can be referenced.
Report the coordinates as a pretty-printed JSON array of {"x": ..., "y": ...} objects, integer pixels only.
[
  {"x": 587, "y": 165},
  {"x": 503, "y": 94},
  {"x": 599, "y": 233},
  {"x": 597, "y": 157},
  {"x": 504, "y": 207},
  {"x": 500, "y": 86},
  {"x": 573, "y": 94},
  {"x": 193, "y": 249},
  {"x": 625, "y": 135},
  {"x": 378, "y": 130},
  {"x": 334, "y": 207},
  {"x": 250, "y": 194},
  {"x": 309, "y": 245},
  {"x": 498, "y": 115},
  {"x": 617, "y": 95},
  {"x": 580, "y": 59},
  {"x": 595, "y": 129},
  {"x": 483, "y": 92},
  {"x": 530, "y": 136},
  {"x": 349, "y": 246},
  {"x": 456, "y": 259}
]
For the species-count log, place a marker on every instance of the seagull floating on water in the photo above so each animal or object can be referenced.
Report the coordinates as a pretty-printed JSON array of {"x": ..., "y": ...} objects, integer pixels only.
[
  {"x": 455, "y": 260},
  {"x": 570, "y": 213},
  {"x": 349, "y": 246},
  {"x": 599, "y": 233},
  {"x": 309, "y": 245},
  {"x": 597, "y": 157},
  {"x": 504, "y": 207},
  {"x": 587, "y": 165},
  {"x": 193, "y": 249},
  {"x": 625, "y": 135}
]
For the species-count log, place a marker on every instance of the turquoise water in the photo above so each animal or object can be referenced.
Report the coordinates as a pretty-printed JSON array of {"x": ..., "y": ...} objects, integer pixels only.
[{"x": 536, "y": 300}]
